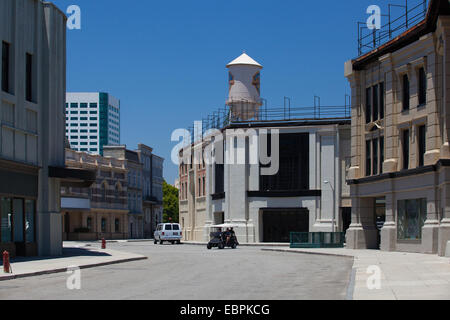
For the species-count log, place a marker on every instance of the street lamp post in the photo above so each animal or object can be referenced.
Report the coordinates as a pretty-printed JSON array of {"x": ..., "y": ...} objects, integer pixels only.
[{"x": 333, "y": 224}]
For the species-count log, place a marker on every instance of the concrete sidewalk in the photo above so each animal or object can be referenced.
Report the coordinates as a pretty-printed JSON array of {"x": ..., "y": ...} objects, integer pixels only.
[
  {"x": 74, "y": 255},
  {"x": 404, "y": 276}
]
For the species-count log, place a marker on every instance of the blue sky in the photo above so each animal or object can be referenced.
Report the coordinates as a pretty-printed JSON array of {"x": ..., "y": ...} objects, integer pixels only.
[{"x": 165, "y": 60}]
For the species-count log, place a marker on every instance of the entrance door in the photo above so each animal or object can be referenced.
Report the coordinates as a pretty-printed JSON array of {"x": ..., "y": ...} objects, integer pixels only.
[
  {"x": 380, "y": 217},
  {"x": 346, "y": 218},
  {"x": 67, "y": 223},
  {"x": 279, "y": 223}
]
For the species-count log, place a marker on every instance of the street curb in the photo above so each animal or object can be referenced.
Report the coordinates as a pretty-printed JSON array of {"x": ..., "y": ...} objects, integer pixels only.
[
  {"x": 240, "y": 245},
  {"x": 309, "y": 252},
  {"x": 351, "y": 285},
  {"x": 61, "y": 270}
]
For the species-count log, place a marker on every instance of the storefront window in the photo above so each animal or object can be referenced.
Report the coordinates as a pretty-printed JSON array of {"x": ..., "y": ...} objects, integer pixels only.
[
  {"x": 6, "y": 219},
  {"x": 18, "y": 220},
  {"x": 117, "y": 225},
  {"x": 89, "y": 223},
  {"x": 30, "y": 220},
  {"x": 411, "y": 218},
  {"x": 103, "y": 225}
]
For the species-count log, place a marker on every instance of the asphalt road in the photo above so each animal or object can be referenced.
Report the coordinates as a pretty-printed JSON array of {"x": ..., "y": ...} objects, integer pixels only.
[{"x": 186, "y": 272}]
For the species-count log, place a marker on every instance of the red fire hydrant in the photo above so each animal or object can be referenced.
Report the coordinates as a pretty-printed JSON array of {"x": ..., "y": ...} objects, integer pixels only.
[
  {"x": 103, "y": 243},
  {"x": 6, "y": 264}
]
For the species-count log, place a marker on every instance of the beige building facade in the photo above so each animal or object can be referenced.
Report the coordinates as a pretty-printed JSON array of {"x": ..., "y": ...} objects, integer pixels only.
[
  {"x": 400, "y": 154},
  {"x": 193, "y": 197},
  {"x": 100, "y": 210}
]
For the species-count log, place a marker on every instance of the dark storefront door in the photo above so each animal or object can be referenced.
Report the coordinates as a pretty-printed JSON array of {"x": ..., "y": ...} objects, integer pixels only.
[
  {"x": 278, "y": 224},
  {"x": 380, "y": 216},
  {"x": 346, "y": 218}
]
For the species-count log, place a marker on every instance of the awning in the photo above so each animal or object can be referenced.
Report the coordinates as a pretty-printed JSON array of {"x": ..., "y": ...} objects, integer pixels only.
[{"x": 72, "y": 177}]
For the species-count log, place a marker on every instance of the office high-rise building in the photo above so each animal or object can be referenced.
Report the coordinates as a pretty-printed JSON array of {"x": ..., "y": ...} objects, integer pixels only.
[{"x": 92, "y": 121}]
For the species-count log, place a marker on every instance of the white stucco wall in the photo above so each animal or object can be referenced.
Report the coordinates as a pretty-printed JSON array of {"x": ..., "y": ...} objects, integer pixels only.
[{"x": 325, "y": 165}]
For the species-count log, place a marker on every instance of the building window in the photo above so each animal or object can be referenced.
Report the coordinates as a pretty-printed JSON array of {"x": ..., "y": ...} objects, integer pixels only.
[
  {"x": 204, "y": 188},
  {"x": 368, "y": 104},
  {"x": 412, "y": 215},
  {"x": 375, "y": 97},
  {"x": 89, "y": 223},
  {"x": 104, "y": 193},
  {"x": 382, "y": 95},
  {"x": 18, "y": 221},
  {"x": 117, "y": 225},
  {"x": 405, "y": 149},
  {"x": 381, "y": 154},
  {"x": 406, "y": 97},
  {"x": 6, "y": 219},
  {"x": 375, "y": 102},
  {"x": 375, "y": 156},
  {"x": 219, "y": 178},
  {"x": 5, "y": 66},
  {"x": 29, "y": 77},
  {"x": 293, "y": 173},
  {"x": 422, "y": 87},
  {"x": 368, "y": 158},
  {"x": 422, "y": 145}
]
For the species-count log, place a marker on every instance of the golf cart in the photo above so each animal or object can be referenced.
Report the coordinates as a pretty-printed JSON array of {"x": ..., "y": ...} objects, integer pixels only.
[{"x": 223, "y": 236}]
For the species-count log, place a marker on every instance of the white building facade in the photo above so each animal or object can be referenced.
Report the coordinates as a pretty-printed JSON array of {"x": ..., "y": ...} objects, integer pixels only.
[
  {"x": 92, "y": 121},
  {"x": 308, "y": 192}
]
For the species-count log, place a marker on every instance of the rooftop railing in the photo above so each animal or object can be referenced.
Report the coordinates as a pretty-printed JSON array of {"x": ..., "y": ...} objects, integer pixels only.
[
  {"x": 243, "y": 114},
  {"x": 412, "y": 12}
]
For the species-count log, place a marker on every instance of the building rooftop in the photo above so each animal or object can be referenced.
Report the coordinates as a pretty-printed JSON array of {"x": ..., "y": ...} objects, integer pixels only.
[
  {"x": 417, "y": 21},
  {"x": 244, "y": 59}
]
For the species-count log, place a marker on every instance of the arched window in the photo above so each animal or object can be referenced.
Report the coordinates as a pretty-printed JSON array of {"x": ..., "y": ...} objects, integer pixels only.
[{"x": 118, "y": 188}]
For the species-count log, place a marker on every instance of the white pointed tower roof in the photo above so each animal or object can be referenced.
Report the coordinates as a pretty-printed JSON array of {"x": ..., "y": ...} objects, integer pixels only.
[{"x": 244, "y": 59}]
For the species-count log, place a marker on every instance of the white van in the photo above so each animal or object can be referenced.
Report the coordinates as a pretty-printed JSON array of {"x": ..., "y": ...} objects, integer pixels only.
[{"x": 170, "y": 232}]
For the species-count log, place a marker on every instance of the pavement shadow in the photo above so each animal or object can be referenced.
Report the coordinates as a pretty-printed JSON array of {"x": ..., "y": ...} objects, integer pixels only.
[{"x": 67, "y": 253}]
